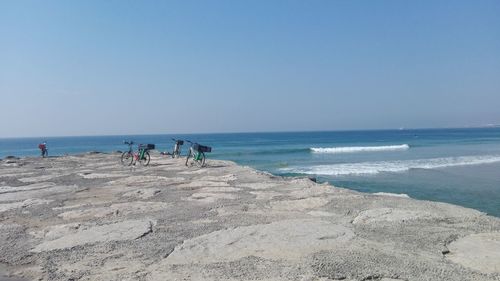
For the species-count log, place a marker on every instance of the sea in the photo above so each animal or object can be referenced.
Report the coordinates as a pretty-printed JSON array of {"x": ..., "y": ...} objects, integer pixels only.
[{"x": 458, "y": 166}]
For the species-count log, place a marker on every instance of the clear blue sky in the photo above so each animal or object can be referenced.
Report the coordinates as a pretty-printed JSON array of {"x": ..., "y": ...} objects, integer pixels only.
[{"x": 138, "y": 67}]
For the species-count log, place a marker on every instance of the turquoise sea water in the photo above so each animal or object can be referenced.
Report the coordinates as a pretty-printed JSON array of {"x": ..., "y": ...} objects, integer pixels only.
[{"x": 459, "y": 166}]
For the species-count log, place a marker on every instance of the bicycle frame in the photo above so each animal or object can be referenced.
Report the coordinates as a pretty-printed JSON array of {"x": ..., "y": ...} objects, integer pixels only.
[
  {"x": 195, "y": 153},
  {"x": 198, "y": 156},
  {"x": 140, "y": 155},
  {"x": 140, "y": 152}
]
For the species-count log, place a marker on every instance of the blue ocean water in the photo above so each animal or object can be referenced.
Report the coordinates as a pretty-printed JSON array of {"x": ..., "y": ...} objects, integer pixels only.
[{"x": 459, "y": 166}]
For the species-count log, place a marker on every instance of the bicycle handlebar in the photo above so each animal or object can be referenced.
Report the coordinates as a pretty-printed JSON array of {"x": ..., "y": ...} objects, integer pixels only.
[{"x": 128, "y": 142}]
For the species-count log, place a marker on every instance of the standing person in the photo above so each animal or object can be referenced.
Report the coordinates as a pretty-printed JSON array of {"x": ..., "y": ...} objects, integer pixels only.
[{"x": 43, "y": 149}]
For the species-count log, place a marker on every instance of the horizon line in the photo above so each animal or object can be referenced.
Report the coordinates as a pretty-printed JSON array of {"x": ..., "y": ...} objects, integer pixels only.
[{"x": 257, "y": 132}]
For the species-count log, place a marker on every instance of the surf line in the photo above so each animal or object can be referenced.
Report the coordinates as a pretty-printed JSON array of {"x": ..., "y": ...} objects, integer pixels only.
[{"x": 357, "y": 149}]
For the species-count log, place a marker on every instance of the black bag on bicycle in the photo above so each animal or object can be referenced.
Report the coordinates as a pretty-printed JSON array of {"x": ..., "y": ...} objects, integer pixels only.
[
  {"x": 148, "y": 146},
  {"x": 202, "y": 148}
]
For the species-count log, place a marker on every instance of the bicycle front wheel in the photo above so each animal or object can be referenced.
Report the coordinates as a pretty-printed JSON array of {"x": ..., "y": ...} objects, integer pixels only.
[
  {"x": 187, "y": 157},
  {"x": 200, "y": 160},
  {"x": 127, "y": 158},
  {"x": 145, "y": 159},
  {"x": 175, "y": 153}
]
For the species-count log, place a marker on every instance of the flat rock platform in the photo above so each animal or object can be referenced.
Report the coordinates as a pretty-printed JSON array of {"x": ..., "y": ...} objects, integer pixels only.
[{"x": 87, "y": 217}]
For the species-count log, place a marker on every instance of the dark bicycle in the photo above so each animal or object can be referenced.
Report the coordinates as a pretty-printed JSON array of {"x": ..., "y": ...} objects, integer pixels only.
[
  {"x": 197, "y": 154},
  {"x": 142, "y": 155},
  {"x": 176, "y": 153}
]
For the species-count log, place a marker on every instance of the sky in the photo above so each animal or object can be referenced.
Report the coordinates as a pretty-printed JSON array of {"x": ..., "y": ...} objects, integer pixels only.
[{"x": 153, "y": 67}]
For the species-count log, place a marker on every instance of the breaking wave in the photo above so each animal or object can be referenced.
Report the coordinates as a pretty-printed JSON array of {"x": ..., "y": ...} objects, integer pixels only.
[
  {"x": 401, "y": 195},
  {"x": 356, "y": 149},
  {"x": 370, "y": 168}
]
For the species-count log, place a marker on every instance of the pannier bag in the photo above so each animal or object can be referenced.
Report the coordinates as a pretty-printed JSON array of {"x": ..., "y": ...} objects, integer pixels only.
[
  {"x": 42, "y": 146},
  {"x": 179, "y": 142},
  {"x": 202, "y": 148}
]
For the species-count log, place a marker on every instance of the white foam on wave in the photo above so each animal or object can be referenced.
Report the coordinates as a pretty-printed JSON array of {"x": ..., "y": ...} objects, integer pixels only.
[
  {"x": 401, "y": 195},
  {"x": 367, "y": 168},
  {"x": 356, "y": 149}
]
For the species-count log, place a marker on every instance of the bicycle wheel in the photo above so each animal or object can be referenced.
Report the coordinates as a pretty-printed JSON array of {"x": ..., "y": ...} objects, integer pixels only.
[
  {"x": 127, "y": 158},
  {"x": 176, "y": 154},
  {"x": 145, "y": 159},
  {"x": 187, "y": 157},
  {"x": 200, "y": 160}
]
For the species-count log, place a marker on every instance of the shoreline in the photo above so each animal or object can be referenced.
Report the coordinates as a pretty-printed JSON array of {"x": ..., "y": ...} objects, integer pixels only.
[
  {"x": 314, "y": 178},
  {"x": 86, "y": 217}
]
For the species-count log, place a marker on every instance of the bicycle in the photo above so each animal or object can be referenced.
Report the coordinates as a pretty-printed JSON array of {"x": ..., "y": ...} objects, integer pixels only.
[
  {"x": 176, "y": 153},
  {"x": 142, "y": 155},
  {"x": 197, "y": 152}
]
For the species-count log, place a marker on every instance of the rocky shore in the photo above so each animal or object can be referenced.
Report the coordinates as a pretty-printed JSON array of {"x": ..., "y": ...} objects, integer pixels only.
[{"x": 86, "y": 217}]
